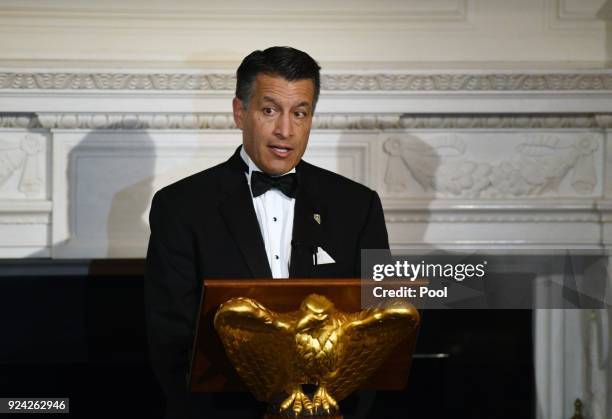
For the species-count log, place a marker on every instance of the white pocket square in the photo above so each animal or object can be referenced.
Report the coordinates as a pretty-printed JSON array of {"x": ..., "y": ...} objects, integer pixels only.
[{"x": 322, "y": 257}]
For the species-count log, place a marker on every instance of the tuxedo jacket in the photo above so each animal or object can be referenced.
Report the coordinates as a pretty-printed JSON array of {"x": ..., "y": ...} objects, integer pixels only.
[{"x": 205, "y": 226}]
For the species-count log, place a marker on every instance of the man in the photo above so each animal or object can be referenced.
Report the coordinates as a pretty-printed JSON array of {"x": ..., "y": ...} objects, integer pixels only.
[{"x": 263, "y": 213}]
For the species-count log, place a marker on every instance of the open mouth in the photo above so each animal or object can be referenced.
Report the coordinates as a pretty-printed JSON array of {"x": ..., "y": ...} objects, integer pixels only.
[{"x": 280, "y": 151}]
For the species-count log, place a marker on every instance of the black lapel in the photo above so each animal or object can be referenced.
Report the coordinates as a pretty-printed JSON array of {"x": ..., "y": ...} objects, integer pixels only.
[
  {"x": 307, "y": 232},
  {"x": 239, "y": 214}
]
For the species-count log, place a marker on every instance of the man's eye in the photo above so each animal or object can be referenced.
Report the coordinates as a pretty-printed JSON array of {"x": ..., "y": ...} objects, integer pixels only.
[
  {"x": 268, "y": 111},
  {"x": 300, "y": 114}
]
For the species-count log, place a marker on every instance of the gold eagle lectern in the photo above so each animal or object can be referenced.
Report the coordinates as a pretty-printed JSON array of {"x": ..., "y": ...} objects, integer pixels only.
[{"x": 276, "y": 353}]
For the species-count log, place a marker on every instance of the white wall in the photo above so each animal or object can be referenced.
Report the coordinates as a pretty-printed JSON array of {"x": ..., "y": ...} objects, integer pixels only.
[{"x": 339, "y": 33}]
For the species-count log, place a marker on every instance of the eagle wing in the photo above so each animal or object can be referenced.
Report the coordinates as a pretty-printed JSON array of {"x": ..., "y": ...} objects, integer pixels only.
[
  {"x": 259, "y": 344},
  {"x": 367, "y": 339}
]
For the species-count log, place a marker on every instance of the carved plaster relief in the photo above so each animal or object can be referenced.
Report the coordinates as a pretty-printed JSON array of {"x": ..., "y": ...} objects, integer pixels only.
[
  {"x": 340, "y": 82},
  {"x": 321, "y": 121},
  {"x": 22, "y": 165},
  {"x": 512, "y": 165},
  {"x": 608, "y": 162}
]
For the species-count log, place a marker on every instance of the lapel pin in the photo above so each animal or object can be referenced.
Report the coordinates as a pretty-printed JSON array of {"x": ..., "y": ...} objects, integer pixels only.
[{"x": 317, "y": 218}]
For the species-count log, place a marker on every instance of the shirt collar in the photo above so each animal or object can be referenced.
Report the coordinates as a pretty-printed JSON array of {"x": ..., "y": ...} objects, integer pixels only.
[{"x": 252, "y": 166}]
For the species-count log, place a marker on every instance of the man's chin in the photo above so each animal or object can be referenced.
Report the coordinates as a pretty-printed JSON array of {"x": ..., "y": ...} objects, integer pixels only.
[{"x": 276, "y": 170}]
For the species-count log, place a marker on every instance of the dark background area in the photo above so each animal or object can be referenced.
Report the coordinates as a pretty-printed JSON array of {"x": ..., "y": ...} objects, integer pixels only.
[{"x": 83, "y": 337}]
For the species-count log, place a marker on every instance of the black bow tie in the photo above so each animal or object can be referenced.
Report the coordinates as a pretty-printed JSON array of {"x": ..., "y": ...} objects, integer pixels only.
[{"x": 262, "y": 183}]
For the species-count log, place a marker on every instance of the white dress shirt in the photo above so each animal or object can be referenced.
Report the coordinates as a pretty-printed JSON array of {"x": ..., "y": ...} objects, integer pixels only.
[{"x": 274, "y": 212}]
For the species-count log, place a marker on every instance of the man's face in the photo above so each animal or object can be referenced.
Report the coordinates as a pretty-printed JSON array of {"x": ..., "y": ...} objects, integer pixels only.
[{"x": 276, "y": 125}]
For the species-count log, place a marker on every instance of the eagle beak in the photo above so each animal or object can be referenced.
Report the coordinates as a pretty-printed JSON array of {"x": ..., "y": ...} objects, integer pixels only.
[{"x": 310, "y": 320}]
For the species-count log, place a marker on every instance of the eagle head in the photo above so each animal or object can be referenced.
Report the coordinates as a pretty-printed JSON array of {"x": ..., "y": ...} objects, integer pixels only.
[{"x": 316, "y": 310}]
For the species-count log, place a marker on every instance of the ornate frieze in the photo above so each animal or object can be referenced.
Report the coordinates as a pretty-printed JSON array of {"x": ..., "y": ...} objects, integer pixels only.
[
  {"x": 468, "y": 82},
  {"x": 524, "y": 165},
  {"x": 321, "y": 121},
  {"x": 116, "y": 81},
  {"x": 136, "y": 121},
  {"x": 459, "y": 121},
  {"x": 18, "y": 120},
  {"x": 336, "y": 82},
  {"x": 502, "y": 121}
]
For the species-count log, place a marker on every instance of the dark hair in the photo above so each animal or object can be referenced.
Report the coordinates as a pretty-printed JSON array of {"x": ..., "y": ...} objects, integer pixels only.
[{"x": 286, "y": 62}]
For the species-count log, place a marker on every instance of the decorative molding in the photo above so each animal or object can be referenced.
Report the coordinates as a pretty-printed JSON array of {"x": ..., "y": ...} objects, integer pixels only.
[
  {"x": 193, "y": 15},
  {"x": 492, "y": 218},
  {"x": 21, "y": 219},
  {"x": 443, "y": 82},
  {"x": 117, "y": 81},
  {"x": 25, "y": 206},
  {"x": 136, "y": 121},
  {"x": 199, "y": 121},
  {"x": 604, "y": 120},
  {"x": 469, "y": 82},
  {"x": 574, "y": 15},
  {"x": 19, "y": 120},
  {"x": 442, "y": 167},
  {"x": 503, "y": 121},
  {"x": 458, "y": 121},
  {"x": 578, "y": 9}
]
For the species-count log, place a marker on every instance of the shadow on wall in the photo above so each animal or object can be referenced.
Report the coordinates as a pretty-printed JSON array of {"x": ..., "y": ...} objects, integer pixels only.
[{"x": 110, "y": 220}]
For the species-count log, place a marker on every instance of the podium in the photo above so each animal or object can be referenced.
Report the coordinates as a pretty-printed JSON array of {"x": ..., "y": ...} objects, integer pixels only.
[{"x": 211, "y": 370}]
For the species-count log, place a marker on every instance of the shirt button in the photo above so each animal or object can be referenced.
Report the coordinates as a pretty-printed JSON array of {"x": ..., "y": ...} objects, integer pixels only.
[
  {"x": 276, "y": 257},
  {"x": 274, "y": 219}
]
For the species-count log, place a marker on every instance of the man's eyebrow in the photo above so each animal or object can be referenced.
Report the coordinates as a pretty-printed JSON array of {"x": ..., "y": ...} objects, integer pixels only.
[{"x": 271, "y": 99}]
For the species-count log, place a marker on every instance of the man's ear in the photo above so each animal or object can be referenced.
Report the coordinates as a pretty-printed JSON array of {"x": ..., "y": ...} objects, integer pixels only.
[{"x": 239, "y": 112}]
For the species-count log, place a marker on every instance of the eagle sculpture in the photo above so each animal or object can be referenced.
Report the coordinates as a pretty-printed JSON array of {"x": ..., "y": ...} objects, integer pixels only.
[{"x": 276, "y": 353}]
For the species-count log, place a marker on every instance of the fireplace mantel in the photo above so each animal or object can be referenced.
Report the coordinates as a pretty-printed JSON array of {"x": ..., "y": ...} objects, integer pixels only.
[
  {"x": 459, "y": 157},
  {"x": 464, "y": 158}
]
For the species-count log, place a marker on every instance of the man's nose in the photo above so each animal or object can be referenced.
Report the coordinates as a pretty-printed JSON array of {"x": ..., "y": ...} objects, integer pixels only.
[{"x": 284, "y": 126}]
